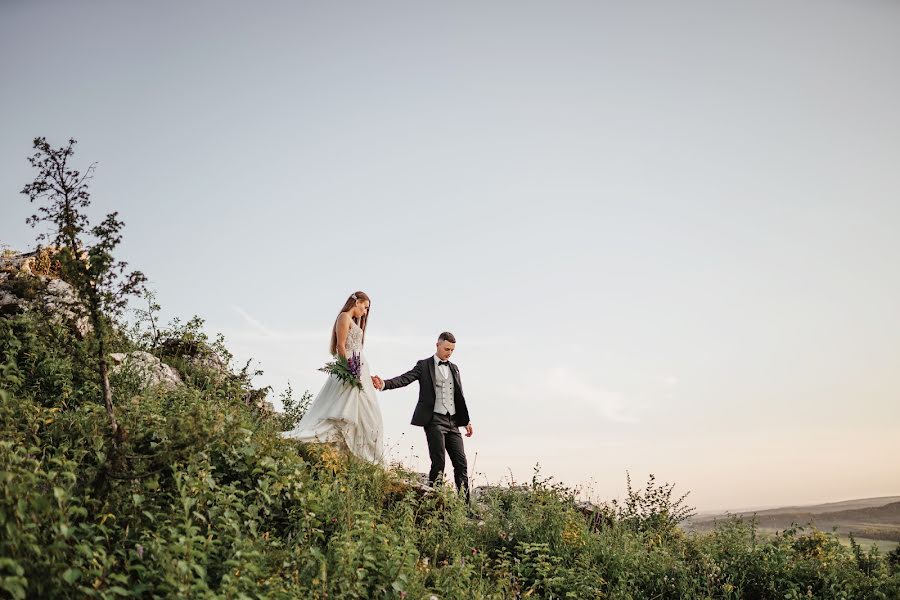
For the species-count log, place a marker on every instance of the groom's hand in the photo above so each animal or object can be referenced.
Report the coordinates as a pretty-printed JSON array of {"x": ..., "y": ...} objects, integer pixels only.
[
  {"x": 469, "y": 431},
  {"x": 378, "y": 382}
]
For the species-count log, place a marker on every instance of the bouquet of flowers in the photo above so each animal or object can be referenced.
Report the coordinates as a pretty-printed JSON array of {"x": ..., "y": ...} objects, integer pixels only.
[{"x": 346, "y": 369}]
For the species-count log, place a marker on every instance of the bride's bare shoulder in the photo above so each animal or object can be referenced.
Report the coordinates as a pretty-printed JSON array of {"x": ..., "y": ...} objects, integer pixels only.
[{"x": 343, "y": 320}]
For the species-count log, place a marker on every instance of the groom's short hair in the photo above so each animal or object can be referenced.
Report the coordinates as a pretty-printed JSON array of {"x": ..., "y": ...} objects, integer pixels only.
[{"x": 447, "y": 337}]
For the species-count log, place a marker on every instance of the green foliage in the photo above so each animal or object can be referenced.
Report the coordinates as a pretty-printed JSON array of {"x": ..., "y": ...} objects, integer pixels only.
[
  {"x": 62, "y": 194},
  {"x": 189, "y": 340},
  {"x": 25, "y": 285},
  {"x": 652, "y": 509},
  {"x": 101, "y": 285},
  {"x": 294, "y": 410},
  {"x": 203, "y": 498},
  {"x": 43, "y": 359},
  {"x": 145, "y": 330},
  {"x": 346, "y": 369},
  {"x": 893, "y": 559}
]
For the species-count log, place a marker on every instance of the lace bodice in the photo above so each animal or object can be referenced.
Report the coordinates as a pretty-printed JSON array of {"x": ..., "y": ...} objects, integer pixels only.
[{"x": 354, "y": 338}]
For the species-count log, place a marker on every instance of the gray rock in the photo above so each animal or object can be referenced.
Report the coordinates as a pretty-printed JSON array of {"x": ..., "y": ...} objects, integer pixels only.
[
  {"x": 150, "y": 369},
  {"x": 61, "y": 299},
  {"x": 58, "y": 296},
  {"x": 18, "y": 262}
]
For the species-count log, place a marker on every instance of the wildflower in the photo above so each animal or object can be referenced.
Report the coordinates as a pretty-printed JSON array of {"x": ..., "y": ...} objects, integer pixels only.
[{"x": 354, "y": 363}]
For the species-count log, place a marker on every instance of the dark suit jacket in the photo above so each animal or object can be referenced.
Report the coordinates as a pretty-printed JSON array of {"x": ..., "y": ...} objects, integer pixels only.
[{"x": 423, "y": 372}]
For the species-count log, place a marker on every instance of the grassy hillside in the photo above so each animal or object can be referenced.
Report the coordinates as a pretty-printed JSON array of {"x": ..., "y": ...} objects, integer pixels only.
[
  {"x": 199, "y": 497},
  {"x": 811, "y": 508},
  {"x": 872, "y": 522},
  {"x": 831, "y": 507}
]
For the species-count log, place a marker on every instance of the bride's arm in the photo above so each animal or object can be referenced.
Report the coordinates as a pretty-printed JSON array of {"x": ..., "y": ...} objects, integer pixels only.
[{"x": 342, "y": 327}]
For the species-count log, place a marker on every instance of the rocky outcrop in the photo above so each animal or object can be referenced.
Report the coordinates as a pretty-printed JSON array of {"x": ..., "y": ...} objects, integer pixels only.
[
  {"x": 43, "y": 261},
  {"x": 147, "y": 367},
  {"x": 31, "y": 281},
  {"x": 61, "y": 299}
]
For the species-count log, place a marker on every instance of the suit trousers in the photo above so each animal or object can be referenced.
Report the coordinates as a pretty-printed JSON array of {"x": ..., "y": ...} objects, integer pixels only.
[{"x": 444, "y": 438}]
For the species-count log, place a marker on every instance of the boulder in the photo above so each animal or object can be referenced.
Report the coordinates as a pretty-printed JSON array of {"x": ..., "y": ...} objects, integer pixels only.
[
  {"x": 30, "y": 280},
  {"x": 62, "y": 301},
  {"x": 150, "y": 369}
]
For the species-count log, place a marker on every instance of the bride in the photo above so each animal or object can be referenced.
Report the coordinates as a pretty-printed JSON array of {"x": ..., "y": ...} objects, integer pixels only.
[{"x": 342, "y": 413}]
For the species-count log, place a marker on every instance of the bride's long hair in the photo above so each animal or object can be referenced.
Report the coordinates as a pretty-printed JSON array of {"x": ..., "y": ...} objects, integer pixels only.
[{"x": 350, "y": 303}]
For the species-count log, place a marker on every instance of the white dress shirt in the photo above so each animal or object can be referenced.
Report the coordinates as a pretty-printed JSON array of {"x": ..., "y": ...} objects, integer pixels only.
[{"x": 445, "y": 369}]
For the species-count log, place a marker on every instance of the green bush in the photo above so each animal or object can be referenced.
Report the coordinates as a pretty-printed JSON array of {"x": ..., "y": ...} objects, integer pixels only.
[{"x": 203, "y": 499}]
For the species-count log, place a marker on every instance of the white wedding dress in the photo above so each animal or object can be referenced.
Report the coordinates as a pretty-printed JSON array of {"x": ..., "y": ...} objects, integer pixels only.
[{"x": 344, "y": 414}]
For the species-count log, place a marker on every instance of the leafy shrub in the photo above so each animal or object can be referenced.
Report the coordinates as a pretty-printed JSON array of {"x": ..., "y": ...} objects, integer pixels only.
[
  {"x": 203, "y": 498},
  {"x": 653, "y": 509},
  {"x": 294, "y": 410}
]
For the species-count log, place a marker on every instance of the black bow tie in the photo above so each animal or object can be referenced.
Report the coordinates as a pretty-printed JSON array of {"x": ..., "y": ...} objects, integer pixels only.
[{"x": 443, "y": 363}]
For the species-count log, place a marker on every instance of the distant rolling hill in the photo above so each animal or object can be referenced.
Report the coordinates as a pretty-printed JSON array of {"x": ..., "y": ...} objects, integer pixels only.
[{"x": 873, "y": 518}]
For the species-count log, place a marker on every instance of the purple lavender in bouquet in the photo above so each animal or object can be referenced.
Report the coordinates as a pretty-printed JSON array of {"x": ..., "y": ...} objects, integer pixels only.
[{"x": 354, "y": 364}]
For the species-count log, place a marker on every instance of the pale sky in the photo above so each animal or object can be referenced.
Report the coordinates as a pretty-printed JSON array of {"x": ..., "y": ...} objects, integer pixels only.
[{"x": 664, "y": 234}]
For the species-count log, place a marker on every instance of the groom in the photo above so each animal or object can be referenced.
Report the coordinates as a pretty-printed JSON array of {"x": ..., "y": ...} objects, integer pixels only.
[{"x": 441, "y": 409}]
